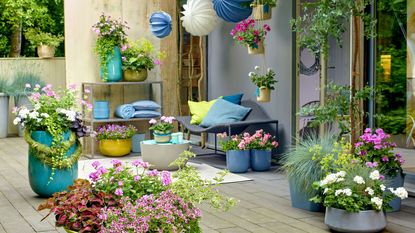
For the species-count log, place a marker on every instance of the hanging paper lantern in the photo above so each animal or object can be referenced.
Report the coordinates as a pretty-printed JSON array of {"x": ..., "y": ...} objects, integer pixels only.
[
  {"x": 199, "y": 17},
  {"x": 160, "y": 24},
  {"x": 233, "y": 10}
]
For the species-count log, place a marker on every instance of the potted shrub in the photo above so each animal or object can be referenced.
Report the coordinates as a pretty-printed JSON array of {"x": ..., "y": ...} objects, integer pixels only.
[
  {"x": 111, "y": 36},
  {"x": 264, "y": 82},
  {"x": 162, "y": 129},
  {"x": 302, "y": 165},
  {"x": 246, "y": 33},
  {"x": 52, "y": 130},
  {"x": 237, "y": 153},
  {"x": 115, "y": 140},
  {"x": 261, "y": 145},
  {"x": 375, "y": 149},
  {"x": 4, "y": 107},
  {"x": 138, "y": 58},
  {"x": 262, "y": 9},
  {"x": 45, "y": 42},
  {"x": 356, "y": 198}
]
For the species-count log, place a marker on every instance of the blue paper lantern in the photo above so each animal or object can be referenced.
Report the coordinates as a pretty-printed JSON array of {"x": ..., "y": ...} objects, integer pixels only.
[
  {"x": 160, "y": 24},
  {"x": 233, "y": 10}
]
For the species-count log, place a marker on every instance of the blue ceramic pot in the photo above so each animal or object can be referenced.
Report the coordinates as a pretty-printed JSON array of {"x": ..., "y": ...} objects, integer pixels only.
[
  {"x": 396, "y": 182},
  {"x": 39, "y": 173},
  {"x": 261, "y": 160},
  {"x": 101, "y": 110},
  {"x": 136, "y": 140},
  {"x": 237, "y": 161},
  {"x": 114, "y": 67},
  {"x": 301, "y": 201}
]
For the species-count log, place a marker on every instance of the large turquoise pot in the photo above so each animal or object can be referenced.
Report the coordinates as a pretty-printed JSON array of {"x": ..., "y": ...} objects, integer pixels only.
[
  {"x": 114, "y": 67},
  {"x": 39, "y": 172},
  {"x": 261, "y": 160},
  {"x": 237, "y": 161}
]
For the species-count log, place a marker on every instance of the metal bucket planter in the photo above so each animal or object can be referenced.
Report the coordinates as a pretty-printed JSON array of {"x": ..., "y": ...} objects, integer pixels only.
[
  {"x": 396, "y": 182},
  {"x": 258, "y": 49},
  {"x": 135, "y": 76},
  {"x": 136, "y": 140},
  {"x": 238, "y": 161},
  {"x": 363, "y": 221},
  {"x": 45, "y": 51},
  {"x": 4, "y": 114},
  {"x": 40, "y": 171},
  {"x": 264, "y": 94},
  {"x": 261, "y": 160},
  {"x": 114, "y": 67},
  {"x": 301, "y": 201},
  {"x": 262, "y": 12},
  {"x": 162, "y": 137}
]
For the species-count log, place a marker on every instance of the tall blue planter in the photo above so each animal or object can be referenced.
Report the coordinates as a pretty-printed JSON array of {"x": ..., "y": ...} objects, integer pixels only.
[
  {"x": 39, "y": 173},
  {"x": 301, "y": 201},
  {"x": 114, "y": 67},
  {"x": 396, "y": 182},
  {"x": 237, "y": 161},
  {"x": 261, "y": 160}
]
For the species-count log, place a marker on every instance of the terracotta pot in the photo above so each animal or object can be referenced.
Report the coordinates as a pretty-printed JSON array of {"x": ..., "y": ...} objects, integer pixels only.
[
  {"x": 262, "y": 12},
  {"x": 258, "y": 50},
  {"x": 264, "y": 95},
  {"x": 116, "y": 147},
  {"x": 45, "y": 51},
  {"x": 135, "y": 76},
  {"x": 162, "y": 137}
]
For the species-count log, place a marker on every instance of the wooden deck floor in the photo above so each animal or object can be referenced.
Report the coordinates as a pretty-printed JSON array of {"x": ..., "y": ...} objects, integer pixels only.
[{"x": 264, "y": 203}]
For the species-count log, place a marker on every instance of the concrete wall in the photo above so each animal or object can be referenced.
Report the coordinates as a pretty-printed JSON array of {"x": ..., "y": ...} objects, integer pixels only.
[{"x": 229, "y": 65}]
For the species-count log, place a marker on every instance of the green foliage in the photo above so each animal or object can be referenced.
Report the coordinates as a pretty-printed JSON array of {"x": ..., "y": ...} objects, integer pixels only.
[
  {"x": 37, "y": 37},
  {"x": 302, "y": 163},
  {"x": 271, "y": 3},
  {"x": 22, "y": 78},
  {"x": 263, "y": 80},
  {"x": 140, "y": 55},
  {"x": 5, "y": 87}
]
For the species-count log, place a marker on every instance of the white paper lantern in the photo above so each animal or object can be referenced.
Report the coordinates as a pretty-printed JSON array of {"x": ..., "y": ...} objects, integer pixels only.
[{"x": 199, "y": 18}]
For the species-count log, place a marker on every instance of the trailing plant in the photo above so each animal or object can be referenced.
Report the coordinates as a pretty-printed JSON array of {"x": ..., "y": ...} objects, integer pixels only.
[
  {"x": 271, "y": 3},
  {"x": 79, "y": 209},
  {"x": 114, "y": 132},
  {"x": 263, "y": 80},
  {"x": 164, "y": 125},
  {"x": 111, "y": 33},
  {"x": 140, "y": 55},
  {"x": 36, "y": 38},
  {"x": 247, "y": 34}
]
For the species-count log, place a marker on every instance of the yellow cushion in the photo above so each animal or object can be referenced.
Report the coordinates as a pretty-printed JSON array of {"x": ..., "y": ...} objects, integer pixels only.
[{"x": 198, "y": 110}]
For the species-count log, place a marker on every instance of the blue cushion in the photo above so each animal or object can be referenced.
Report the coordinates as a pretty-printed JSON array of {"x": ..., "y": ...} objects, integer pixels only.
[
  {"x": 222, "y": 112},
  {"x": 145, "y": 105},
  {"x": 235, "y": 98},
  {"x": 146, "y": 114}
]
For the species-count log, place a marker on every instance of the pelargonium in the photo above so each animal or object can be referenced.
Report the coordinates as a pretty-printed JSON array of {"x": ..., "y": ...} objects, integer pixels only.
[
  {"x": 164, "y": 125},
  {"x": 246, "y": 33},
  {"x": 375, "y": 149}
]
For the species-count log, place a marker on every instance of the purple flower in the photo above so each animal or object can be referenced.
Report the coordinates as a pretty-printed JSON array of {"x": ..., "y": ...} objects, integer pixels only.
[
  {"x": 153, "y": 121},
  {"x": 368, "y": 130},
  {"x": 153, "y": 173},
  {"x": 96, "y": 164},
  {"x": 137, "y": 178},
  {"x": 381, "y": 177},
  {"x": 94, "y": 176},
  {"x": 166, "y": 178},
  {"x": 118, "y": 192},
  {"x": 358, "y": 144},
  {"x": 385, "y": 158},
  {"x": 120, "y": 183},
  {"x": 116, "y": 162},
  {"x": 371, "y": 164}
]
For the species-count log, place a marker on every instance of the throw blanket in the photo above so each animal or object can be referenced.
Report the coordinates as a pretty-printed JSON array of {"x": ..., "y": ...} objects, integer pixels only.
[{"x": 125, "y": 111}]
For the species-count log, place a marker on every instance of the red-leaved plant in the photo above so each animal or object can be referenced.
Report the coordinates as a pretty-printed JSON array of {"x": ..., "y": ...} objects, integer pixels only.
[{"x": 78, "y": 209}]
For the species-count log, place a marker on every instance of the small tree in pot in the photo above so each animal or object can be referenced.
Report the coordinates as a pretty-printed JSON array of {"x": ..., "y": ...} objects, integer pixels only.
[{"x": 45, "y": 42}]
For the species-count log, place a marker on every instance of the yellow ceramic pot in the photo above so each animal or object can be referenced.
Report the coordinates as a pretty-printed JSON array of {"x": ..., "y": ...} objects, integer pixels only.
[
  {"x": 264, "y": 95},
  {"x": 116, "y": 147},
  {"x": 259, "y": 50},
  {"x": 261, "y": 12},
  {"x": 135, "y": 76},
  {"x": 45, "y": 51}
]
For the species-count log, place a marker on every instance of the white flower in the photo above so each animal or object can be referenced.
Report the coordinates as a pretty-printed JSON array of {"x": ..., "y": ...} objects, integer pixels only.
[
  {"x": 340, "y": 179},
  {"x": 375, "y": 175},
  {"x": 348, "y": 192},
  {"x": 44, "y": 115},
  {"x": 341, "y": 174},
  {"x": 338, "y": 192},
  {"x": 382, "y": 187},
  {"x": 370, "y": 191},
  {"x": 326, "y": 190},
  {"x": 34, "y": 115},
  {"x": 16, "y": 120},
  {"x": 251, "y": 74},
  {"x": 400, "y": 192},
  {"x": 23, "y": 112},
  {"x": 37, "y": 106},
  {"x": 256, "y": 68},
  {"x": 377, "y": 201},
  {"x": 359, "y": 180}
]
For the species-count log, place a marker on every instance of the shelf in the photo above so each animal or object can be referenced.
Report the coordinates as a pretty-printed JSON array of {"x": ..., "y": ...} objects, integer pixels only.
[
  {"x": 121, "y": 83},
  {"x": 116, "y": 120}
]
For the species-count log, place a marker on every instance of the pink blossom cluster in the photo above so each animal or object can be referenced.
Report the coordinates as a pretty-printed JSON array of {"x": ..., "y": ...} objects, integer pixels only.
[
  {"x": 246, "y": 32},
  {"x": 259, "y": 140},
  {"x": 165, "y": 213},
  {"x": 106, "y": 26}
]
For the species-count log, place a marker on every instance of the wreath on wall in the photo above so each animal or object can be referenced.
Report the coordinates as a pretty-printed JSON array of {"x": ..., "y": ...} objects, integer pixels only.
[{"x": 313, "y": 68}]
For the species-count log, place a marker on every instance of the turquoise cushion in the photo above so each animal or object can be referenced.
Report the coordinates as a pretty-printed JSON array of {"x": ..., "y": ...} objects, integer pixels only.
[
  {"x": 145, "y": 105},
  {"x": 223, "y": 111},
  {"x": 235, "y": 98}
]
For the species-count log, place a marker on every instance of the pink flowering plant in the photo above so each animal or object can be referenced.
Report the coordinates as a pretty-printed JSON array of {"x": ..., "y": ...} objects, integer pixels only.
[
  {"x": 233, "y": 142},
  {"x": 140, "y": 55},
  {"x": 114, "y": 132},
  {"x": 248, "y": 34},
  {"x": 163, "y": 126},
  {"x": 375, "y": 149},
  {"x": 259, "y": 141}
]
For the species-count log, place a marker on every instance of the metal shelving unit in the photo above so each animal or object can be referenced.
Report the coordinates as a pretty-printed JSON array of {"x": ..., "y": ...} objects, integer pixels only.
[{"x": 92, "y": 122}]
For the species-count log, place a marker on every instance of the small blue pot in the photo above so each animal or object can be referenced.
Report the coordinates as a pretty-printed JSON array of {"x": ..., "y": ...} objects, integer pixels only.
[
  {"x": 114, "y": 67},
  {"x": 39, "y": 173},
  {"x": 101, "y": 110},
  {"x": 237, "y": 161},
  {"x": 261, "y": 160},
  {"x": 136, "y": 140},
  {"x": 396, "y": 182},
  {"x": 302, "y": 201}
]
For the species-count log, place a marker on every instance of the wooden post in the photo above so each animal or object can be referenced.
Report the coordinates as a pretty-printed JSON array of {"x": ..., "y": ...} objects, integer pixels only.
[{"x": 323, "y": 81}]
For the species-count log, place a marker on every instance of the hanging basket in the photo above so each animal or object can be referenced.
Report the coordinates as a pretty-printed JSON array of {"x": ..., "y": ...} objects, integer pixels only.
[
  {"x": 259, "y": 49},
  {"x": 262, "y": 12},
  {"x": 264, "y": 95}
]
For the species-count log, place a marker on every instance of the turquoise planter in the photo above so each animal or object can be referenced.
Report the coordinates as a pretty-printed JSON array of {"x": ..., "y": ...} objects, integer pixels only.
[
  {"x": 237, "y": 161},
  {"x": 301, "y": 201},
  {"x": 261, "y": 160},
  {"x": 114, "y": 67},
  {"x": 101, "y": 110},
  {"x": 39, "y": 172}
]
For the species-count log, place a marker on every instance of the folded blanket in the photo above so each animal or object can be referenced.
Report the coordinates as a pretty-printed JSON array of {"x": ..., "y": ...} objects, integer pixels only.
[
  {"x": 146, "y": 114},
  {"x": 125, "y": 111}
]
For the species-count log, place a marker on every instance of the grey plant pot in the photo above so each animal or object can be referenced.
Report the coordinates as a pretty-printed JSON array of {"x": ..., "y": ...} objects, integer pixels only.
[
  {"x": 4, "y": 114},
  {"x": 363, "y": 221},
  {"x": 396, "y": 182}
]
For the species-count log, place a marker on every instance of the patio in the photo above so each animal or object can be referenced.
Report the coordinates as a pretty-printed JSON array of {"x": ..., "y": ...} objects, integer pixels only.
[{"x": 264, "y": 204}]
